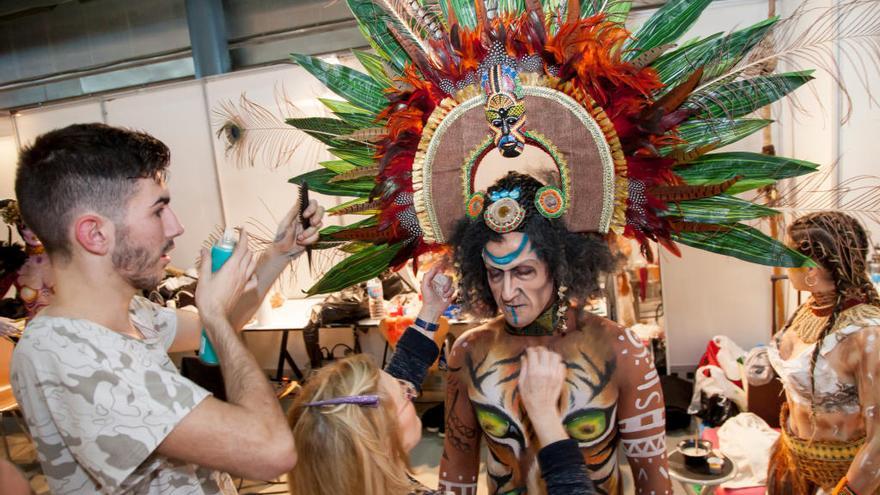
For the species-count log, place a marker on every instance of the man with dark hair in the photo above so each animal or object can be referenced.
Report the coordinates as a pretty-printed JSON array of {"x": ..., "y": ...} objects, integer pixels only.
[
  {"x": 522, "y": 267},
  {"x": 107, "y": 409}
]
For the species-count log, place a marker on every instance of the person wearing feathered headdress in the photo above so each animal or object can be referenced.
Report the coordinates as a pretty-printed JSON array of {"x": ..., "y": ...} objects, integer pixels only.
[{"x": 34, "y": 280}]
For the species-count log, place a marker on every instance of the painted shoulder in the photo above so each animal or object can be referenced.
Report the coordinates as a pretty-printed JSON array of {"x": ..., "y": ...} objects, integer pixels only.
[{"x": 476, "y": 337}]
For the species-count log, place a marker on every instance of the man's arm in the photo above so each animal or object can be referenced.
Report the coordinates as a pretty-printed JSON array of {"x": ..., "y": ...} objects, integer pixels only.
[
  {"x": 289, "y": 244},
  {"x": 247, "y": 436},
  {"x": 863, "y": 475},
  {"x": 641, "y": 414},
  {"x": 460, "y": 463}
]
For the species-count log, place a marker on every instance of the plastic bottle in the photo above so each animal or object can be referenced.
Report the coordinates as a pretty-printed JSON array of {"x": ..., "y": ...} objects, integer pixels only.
[
  {"x": 377, "y": 300},
  {"x": 220, "y": 252},
  {"x": 874, "y": 267}
]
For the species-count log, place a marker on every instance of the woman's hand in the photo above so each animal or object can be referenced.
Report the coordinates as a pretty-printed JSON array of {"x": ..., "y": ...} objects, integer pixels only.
[
  {"x": 437, "y": 294},
  {"x": 541, "y": 376},
  {"x": 217, "y": 293}
]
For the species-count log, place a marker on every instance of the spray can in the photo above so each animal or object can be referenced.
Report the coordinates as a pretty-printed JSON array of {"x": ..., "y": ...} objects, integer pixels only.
[{"x": 220, "y": 252}]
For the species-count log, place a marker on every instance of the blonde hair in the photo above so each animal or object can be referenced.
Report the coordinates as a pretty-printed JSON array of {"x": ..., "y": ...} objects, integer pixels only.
[{"x": 347, "y": 448}]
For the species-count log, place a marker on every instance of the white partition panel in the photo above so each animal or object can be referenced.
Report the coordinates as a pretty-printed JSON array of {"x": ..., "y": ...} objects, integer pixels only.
[
  {"x": 31, "y": 123},
  {"x": 176, "y": 114},
  {"x": 8, "y": 158}
]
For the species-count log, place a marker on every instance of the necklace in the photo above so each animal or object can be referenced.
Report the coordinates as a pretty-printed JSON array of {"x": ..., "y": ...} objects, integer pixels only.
[
  {"x": 808, "y": 325},
  {"x": 542, "y": 326},
  {"x": 822, "y": 303}
]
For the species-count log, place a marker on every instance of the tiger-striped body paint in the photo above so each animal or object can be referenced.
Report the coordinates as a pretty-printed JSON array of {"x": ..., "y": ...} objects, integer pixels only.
[{"x": 611, "y": 398}]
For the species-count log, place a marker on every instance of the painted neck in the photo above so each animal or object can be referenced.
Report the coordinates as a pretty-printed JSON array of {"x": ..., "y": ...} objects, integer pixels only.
[{"x": 544, "y": 325}]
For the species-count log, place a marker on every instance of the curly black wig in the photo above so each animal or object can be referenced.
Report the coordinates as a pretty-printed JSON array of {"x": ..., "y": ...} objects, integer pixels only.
[{"x": 576, "y": 260}]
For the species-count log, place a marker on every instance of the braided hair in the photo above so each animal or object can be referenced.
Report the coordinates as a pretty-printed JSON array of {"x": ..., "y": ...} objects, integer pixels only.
[
  {"x": 575, "y": 260},
  {"x": 839, "y": 244}
]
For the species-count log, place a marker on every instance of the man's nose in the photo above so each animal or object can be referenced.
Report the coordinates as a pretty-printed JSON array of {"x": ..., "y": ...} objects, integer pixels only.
[{"x": 508, "y": 289}]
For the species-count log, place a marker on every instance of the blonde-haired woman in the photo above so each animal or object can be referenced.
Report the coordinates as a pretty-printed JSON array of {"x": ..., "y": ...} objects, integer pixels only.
[{"x": 354, "y": 424}]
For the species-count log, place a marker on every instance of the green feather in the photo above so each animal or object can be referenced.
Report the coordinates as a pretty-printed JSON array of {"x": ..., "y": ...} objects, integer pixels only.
[
  {"x": 373, "y": 23},
  {"x": 337, "y": 166},
  {"x": 737, "y": 98},
  {"x": 511, "y": 7},
  {"x": 356, "y": 201},
  {"x": 367, "y": 222},
  {"x": 615, "y": 10},
  {"x": 464, "y": 12},
  {"x": 715, "y": 53},
  {"x": 359, "y": 89},
  {"x": 718, "y": 132},
  {"x": 357, "y": 120},
  {"x": 319, "y": 182},
  {"x": 361, "y": 156},
  {"x": 323, "y": 129},
  {"x": 755, "y": 169},
  {"x": 717, "y": 209},
  {"x": 745, "y": 243},
  {"x": 359, "y": 267},
  {"x": 337, "y": 106},
  {"x": 670, "y": 21},
  {"x": 375, "y": 67}
]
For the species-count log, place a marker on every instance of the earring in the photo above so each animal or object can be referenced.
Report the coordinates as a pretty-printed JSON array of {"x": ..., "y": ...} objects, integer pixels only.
[
  {"x": 562, "y": 310},
  {"x": 811, "y": 282}
]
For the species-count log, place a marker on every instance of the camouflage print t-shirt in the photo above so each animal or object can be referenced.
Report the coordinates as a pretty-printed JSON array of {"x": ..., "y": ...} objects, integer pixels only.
[{"x": 99, "y": 403}]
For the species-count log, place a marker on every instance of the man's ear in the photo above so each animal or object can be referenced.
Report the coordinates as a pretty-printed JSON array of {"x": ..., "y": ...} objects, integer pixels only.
[{"x": 94, "y": 233}]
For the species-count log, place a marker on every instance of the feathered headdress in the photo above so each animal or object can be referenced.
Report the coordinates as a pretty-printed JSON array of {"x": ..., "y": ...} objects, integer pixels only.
[{"x": 623, "y": 124}]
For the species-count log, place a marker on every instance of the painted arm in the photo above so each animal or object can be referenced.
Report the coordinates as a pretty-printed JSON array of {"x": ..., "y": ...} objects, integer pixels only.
[
  {"x": 416, "y": 351},
  {"x": 461, "y": 449},
  {"x": 863, "y": 475},
  {"x": 641, "y": 415},
  {"x": 289, "y": 244}
]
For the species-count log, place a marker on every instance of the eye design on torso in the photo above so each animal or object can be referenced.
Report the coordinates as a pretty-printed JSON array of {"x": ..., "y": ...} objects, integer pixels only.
[
  {"x": 498, "y": 425},
  {"x": 591, "y": 425}
]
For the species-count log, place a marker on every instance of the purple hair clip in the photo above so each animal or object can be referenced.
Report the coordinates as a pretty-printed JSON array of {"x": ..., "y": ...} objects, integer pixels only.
[{"x": 358, "y": 400}]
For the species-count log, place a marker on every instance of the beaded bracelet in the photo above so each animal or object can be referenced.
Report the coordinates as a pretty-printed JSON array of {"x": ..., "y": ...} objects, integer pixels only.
[{"x": 424, "y": 325}]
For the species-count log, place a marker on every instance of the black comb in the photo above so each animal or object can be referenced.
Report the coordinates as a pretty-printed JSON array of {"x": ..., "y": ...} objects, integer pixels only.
[{"x": 303, "y": 204}]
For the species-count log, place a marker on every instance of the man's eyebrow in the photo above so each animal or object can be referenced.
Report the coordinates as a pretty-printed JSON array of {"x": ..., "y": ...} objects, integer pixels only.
[{"x": 163, "y": 200}]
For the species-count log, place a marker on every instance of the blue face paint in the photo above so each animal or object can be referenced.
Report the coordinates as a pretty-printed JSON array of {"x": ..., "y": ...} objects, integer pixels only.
[
  {"x": 507, "y": 259},
  {"x": 513, "y": 313}
]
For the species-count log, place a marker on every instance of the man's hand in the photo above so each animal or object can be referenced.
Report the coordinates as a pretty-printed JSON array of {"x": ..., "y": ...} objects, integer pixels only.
[
  {"x": 541, "y": 376},
  {"x": 438, "y": 293},
  {"x": 291, "y": 239},
  {"x": 217, "y": 293},
  {"x": 8, "y": 328}
]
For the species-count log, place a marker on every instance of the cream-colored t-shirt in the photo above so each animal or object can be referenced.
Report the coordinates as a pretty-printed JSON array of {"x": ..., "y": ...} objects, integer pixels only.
[{"x": 99, "y": 403}]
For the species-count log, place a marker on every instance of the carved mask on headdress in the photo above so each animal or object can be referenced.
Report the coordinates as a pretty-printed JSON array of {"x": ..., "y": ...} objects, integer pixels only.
[{"x": 505, "y": 111}]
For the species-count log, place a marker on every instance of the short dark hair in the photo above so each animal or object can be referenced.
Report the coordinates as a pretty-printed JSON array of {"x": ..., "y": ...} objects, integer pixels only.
[
  {"x": 576, "y": 260},
  {"x": 83, "y": 166}
]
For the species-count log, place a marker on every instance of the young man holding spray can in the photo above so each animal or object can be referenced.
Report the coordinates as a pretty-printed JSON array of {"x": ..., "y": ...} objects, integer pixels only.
[{"x": 106, "y": 407}]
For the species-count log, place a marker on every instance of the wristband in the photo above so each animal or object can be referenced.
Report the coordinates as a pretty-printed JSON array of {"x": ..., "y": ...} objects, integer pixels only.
[
  {"x": 424, "y": 325},
  {"x": 843, "y": 488}
]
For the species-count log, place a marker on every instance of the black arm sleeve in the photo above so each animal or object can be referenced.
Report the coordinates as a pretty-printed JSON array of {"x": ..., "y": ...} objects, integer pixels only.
[
  {"x": 415, "y": 353},
  {"x": 563, "y": 469}
]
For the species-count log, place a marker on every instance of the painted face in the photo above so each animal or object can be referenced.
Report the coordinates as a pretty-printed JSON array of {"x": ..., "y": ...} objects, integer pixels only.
[
  {"x": 146, "y": 235},
  {"x": 505, "y": 111},
  {"x": 402, "y": 394},
  {"x": 521, "y": 283}
]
